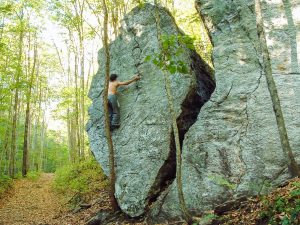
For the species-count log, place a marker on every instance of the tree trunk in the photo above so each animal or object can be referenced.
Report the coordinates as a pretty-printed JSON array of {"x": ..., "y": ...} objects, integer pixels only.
[
  {"x": 115, "y": 17},
  {"x": 69, "y": 135},
  {"x": 73, "y": 153},
  {"x": 79, "y": 8},
  {"x": 292, "y": 164},
  {"x": 42, "y": 140},
  {"x": 82, "y": 100},
  {"x": 26, "y": 143},
  {"x": 6, "y": 151},
  {"x": 34, "y": 142},
  {"x": 2, "y": 27},
  {"x": 113, "y": 200},
  {"x": 293, "y": 36},
  {"x": 182, "y": 204},
  {"x": 38, "y": 127},
  {"x": 16, "y": 102},
  {"x": 76, "y": 131},
  {"x": 183, "y": 207},
  {"x": 82, "y": 88},
  {"x": 77, "y": 116},
  {"x": 82, "y": 93}
]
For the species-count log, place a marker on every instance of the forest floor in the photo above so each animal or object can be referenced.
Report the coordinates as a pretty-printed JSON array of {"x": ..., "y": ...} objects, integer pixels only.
[
  {"x": 36, "y": 203},
  {"x": 30, "y": 202}
]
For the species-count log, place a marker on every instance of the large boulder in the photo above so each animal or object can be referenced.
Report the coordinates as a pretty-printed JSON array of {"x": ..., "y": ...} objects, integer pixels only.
[
  {"x": 144, "y": 144},
  {"x": 234, "y": 148}
]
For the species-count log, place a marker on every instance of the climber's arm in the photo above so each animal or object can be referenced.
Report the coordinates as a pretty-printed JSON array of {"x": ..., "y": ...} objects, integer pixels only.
[{"x": 123, "y": 83}]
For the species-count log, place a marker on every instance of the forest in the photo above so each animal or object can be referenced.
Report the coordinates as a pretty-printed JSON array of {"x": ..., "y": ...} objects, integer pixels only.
[
  {"x": 215, "y": 111},
  {"x": 48, "y": 56}
]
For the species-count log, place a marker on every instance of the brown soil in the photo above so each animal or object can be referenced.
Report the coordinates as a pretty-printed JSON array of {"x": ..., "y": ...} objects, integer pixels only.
[
  {"x": 250, "y": 212},
  {"x": 36, "y": 203},
  {"x": 30, "y": 202}
]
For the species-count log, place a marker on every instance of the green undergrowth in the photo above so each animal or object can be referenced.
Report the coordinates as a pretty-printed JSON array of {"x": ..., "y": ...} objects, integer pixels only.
[
  {"x": 80, "y": 181},
  {"x": 283, "y": 208},
  {"x": 280, "y": 207},
  {"x": 33, "y": 175},
  {"x": 5, "y": 183}
]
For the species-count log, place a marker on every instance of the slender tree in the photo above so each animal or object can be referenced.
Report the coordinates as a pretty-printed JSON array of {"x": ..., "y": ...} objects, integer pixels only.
[
  {"x": 182, "y": 203},
  {"x": 79, "y": 10},
  {"x": 285, "y": 144},
  {"x": 16, "y": 97},
  {"x": 25, "y": 165},
  {"x": 21, "y": 87},
  {"x": 293, "y": 36},
  {"x": 115, "y": 17},
  {"x": 42, "y": 145},
  {"x": 113, "y": 201},
  {"x": 5, "y": 148}
]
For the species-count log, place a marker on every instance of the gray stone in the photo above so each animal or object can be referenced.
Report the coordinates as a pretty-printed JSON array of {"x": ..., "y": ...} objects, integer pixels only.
[
  {"x": 144, "y": 145},
  {"x": 101, "y": 217},
  {"x": 234, "y": 148}
]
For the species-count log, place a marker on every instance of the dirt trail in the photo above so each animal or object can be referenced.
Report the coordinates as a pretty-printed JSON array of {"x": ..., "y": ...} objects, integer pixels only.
[{"x": 32, "y": 202}]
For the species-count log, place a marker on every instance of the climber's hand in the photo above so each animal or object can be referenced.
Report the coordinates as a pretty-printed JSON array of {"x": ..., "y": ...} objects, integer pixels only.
[{"x": 137, "y": 77}]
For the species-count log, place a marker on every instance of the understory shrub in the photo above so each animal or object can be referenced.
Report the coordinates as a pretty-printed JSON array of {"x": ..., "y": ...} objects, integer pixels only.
[
  {"x": 80, "y": 179},
  {"x": 33, "y": 175},
  {"x": 5, "y": 184},
  {"x": 283, "y": 209}
]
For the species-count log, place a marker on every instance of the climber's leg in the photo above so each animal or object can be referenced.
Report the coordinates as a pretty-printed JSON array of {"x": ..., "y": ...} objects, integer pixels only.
[
  {"x": 110, "y": 111},
  {"x": 115, "y": 119}
]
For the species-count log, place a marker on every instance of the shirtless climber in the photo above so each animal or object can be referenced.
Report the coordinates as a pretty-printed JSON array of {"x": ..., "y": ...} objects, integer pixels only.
[{"x": 114, "y": 110}]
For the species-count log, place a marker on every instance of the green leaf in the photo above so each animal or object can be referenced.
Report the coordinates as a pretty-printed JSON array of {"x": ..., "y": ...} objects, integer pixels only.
[
  {"x": 295, "y": 193},
  {"x": 148, "y": 58},
  {"x": 296, "y": 184},
  {"x": 190, "y": 46},
  {"x": 286, "y": 221},
  {"x": 160, "y": 64},
  {"x": 172, "y": 69},
  {"x": 165, "y": 45},
  {"x": 184, "y": 69},
  {"x": 155, "y": 61},
  {"x": 6, "y": 8}
]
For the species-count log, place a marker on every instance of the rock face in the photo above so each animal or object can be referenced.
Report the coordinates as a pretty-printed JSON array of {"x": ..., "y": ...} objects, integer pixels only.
[
  {"x": 144, "y": 145},
  {"x": 234, "y": 148}
]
